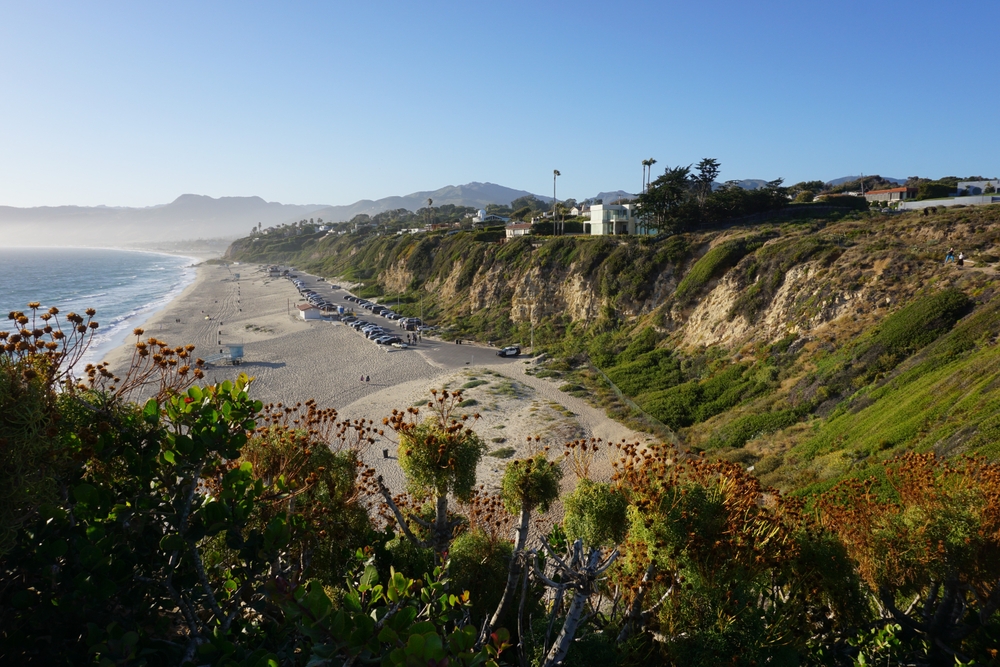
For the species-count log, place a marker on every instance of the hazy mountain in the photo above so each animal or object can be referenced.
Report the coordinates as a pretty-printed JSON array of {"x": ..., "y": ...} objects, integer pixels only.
[
  {"x": 608, "y": 197},
  {"x": 477, "y": 195},
  {"x": 187, "y": 217},
  {"x": 845, "y": 179}
]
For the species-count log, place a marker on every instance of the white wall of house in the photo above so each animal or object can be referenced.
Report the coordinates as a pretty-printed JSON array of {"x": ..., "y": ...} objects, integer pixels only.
[{"x": 611, "y": 219}]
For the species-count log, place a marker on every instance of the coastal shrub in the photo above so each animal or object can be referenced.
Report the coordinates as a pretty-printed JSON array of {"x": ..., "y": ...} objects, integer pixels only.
[
  {"x": 630, "y": 270},
  {"x": 743, "y": 429},
  {"x": 474, "y": 383},
  {"x": 715, "y": 263},
  {"x": 595, "y": 513},
  {"x": 929, "y": 531},
  {"x": 652, "y": 371},
  {"x": 695, "y": 401},
  {"x": 641, "y": 343},
  {"x": 718, "y": 542},
  {"x": 478, "y": 564},
  {"x": 921, "y": 321}
]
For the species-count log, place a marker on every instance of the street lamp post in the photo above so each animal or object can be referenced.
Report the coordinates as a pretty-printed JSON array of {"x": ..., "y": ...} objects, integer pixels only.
[{"x": 555, "y": 173}]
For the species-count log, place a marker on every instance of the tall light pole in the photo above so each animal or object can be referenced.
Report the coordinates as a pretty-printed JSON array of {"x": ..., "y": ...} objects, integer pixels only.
[{"x": 555, "y": 173}]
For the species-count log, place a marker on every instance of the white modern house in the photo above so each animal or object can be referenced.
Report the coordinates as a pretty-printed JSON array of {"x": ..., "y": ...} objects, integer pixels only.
[
  {"x": 612, "y": 219},
  {"x": 483, "y": 217}
]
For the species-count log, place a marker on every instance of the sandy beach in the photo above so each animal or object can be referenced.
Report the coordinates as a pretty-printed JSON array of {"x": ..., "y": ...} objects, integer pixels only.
[{"x": 293, "y": 360}]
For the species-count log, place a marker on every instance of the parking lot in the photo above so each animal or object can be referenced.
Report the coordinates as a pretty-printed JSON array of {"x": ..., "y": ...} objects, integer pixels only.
[{"x": 438, "y": 352}]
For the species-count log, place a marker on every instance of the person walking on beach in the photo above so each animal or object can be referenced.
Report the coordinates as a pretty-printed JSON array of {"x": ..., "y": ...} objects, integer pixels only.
[
  {"x": 362, "y": 378},
  {"x": 367, "y": 379}
]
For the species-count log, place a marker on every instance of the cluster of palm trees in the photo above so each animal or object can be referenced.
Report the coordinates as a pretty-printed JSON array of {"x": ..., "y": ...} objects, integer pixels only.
[{"x": 647, "y": 172}]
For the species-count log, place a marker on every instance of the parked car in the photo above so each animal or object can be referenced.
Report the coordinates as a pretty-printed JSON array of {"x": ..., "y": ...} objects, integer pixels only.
[
  {"x": 426, "y": 328},
  {"x": 509, "y": 351},
  {"x": 400, "y": 345}
]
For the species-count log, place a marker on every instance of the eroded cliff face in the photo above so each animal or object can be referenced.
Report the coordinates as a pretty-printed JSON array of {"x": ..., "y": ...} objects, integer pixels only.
[
  {"x": 811, "y": 279},
  {"x": 811, "y": 295}
]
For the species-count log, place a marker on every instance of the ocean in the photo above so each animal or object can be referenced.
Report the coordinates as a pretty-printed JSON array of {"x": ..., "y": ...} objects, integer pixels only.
[{"x": 125, "y": 287}]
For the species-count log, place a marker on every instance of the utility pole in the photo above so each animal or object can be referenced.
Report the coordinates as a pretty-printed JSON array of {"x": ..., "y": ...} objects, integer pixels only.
[{"x": 555, "y": 173}]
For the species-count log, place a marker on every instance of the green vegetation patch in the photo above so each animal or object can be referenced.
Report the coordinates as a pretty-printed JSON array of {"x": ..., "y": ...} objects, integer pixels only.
[
  {"x": 696, "y": 401},
  {"x": 762, "y": 274},
  {"x": 653, "y": 371},
  {"x": 503, "y": 452},
  {"x": 716, "y": 262},
  {"x": 743, "y": 429},
  {"x": 474, "y": 383}
]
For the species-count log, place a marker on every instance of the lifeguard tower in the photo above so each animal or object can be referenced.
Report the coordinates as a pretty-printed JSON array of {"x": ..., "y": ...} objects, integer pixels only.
[{"x": 232, "y": 356}]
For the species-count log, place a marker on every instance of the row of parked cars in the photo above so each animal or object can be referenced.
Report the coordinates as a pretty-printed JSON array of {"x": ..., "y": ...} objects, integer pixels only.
[
  {"x": 312, "y": 296},
  {"x": 377, "y": 333},
  {"x": 407, "y": 323}
]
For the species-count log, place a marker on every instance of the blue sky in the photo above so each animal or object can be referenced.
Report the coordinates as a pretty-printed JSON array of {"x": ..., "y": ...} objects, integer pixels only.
[{"x": 135, "y": 103}]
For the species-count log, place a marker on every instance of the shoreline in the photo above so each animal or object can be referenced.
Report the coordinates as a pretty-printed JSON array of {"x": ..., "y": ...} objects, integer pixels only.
[{"x": 293, "y": 360}]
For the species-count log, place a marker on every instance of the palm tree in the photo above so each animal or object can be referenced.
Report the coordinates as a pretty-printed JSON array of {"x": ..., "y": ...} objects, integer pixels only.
[
  {"x": 647, "y": 176},
  {"x": 555, "y": 172},
  {"x": 429, "y": 203}
]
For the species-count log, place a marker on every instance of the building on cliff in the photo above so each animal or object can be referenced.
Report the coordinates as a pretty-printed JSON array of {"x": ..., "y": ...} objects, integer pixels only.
[{"x": 612, "y": 219}]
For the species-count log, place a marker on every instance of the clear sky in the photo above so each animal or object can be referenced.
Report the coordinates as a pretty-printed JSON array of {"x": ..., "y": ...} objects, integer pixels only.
[{"x": 134, "y": 103}]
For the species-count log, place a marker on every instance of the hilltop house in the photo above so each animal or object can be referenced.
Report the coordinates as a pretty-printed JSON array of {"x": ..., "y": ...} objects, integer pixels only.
[
  {"x": 483, "y": 217},
  {"x": 518, "y": 229},
  {"x": 612, "y": 219},
  {"x": 891, "y": 195}
]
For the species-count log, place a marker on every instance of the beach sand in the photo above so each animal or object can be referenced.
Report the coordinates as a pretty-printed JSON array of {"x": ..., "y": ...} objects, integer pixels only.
[{"x": 293, "y": 360}]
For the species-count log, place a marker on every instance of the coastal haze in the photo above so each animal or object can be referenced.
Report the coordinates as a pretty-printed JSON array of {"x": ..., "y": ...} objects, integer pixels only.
[{"x": 192, "y": 217}]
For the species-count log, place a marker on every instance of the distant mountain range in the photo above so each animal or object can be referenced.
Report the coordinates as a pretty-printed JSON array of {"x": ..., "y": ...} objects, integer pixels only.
[
  {"x": 477, "y": 195},
  {"x": 187, "y": 217},
  {"x": 846, "y": 179},
  {"x": 192, "y": 217}
]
